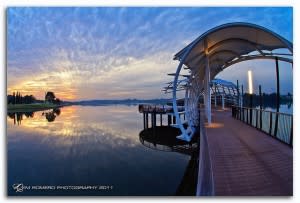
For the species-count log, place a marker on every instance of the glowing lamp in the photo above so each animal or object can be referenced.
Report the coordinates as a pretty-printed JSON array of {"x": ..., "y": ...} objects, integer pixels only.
[{"x": 250, "y": 82}]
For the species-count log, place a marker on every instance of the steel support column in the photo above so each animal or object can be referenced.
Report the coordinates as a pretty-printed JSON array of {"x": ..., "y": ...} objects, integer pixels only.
[
  {"x": 260, "y": 107},
  {"x": 277, "y": 96},
  {"x": 207, "y": 93},
  {"x": 242, "y": 97},
  {"x": 223, "y": 102}
]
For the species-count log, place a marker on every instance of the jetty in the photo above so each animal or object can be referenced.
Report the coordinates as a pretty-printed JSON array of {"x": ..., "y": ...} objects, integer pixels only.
[{"x": 244, "y": 150}]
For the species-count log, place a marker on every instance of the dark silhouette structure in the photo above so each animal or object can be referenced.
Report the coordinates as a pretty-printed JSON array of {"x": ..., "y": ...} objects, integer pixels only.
[
  {"x": 50, "y": 97},
  {"x": 17, "y": 98}
]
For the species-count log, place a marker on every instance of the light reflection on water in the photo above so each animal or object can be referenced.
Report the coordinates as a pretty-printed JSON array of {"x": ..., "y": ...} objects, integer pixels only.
[{"x": 89, "y": 146}]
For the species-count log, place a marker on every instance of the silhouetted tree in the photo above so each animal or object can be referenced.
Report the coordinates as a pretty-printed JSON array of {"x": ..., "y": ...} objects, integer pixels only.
[
  {"x": 14, "y": 98},
  {"x": 50, "y": 97}
]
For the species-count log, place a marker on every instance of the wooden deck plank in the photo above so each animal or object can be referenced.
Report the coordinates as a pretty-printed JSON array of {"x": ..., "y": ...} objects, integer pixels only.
[{"x": 246, "y": 161}]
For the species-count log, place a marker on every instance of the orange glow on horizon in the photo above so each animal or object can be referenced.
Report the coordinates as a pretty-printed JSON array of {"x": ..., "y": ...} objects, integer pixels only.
[
  {"x": 40, "y": 95},
  {"x": 61, "y": 87}
]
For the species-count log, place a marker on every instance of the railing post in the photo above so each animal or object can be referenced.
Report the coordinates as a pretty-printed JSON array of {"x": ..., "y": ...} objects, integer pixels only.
[
  {"x": 287, "y": 128},
  {"x": 144, "y": 119},
  {"x": 256, "y": 112},
  {"x": 291, "y": 136},
  {"x": 223, "y": 102},
  {"x": 243, "y": 114},
  {"x": 242, "y": 103},
  {"x": 271, "y": 123},
  {"x": 247, "y": 116},
  {"x": 151, "y": 120},
  {"x": 260, "y": 119},
  {"x": 161, "y": 119},
  {"x": 276, "y": 125},
  {"x": 215, "y": 98},
  {"x": 251, "y": 111},
  {"x": 238, "y": 93},
  {"x": 147, "y": 122}
]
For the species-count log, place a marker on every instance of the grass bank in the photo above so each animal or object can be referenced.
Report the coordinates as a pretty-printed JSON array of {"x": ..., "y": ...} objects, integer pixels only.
[{"x": 30, "y": 107}]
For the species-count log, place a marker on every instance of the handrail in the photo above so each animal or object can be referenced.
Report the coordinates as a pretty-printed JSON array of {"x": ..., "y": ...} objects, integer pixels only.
[
  {"x": 288, "y": 114},
  {"x": 276, "y": 124},
  {"x": 157, "y": 108},
  {"x": 205, "y": 185}
]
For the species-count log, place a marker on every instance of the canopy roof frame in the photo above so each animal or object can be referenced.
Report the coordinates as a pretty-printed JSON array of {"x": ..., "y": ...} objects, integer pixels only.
[{"x": 222, "y": 49}]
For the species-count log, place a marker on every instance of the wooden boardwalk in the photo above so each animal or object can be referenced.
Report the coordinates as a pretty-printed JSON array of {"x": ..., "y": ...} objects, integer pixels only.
[{"x": 246, "y": 161}]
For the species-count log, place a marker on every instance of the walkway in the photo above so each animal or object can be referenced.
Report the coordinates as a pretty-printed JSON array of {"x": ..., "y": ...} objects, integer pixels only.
[{"x": 246, "y": 161}]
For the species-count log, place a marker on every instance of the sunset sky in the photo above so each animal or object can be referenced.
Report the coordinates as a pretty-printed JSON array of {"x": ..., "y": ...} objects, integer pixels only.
[{"x": 118, "y": 53}]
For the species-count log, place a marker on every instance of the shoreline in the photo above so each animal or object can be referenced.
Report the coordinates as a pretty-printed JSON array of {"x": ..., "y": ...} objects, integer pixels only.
[{"x": 19, "y": 108}]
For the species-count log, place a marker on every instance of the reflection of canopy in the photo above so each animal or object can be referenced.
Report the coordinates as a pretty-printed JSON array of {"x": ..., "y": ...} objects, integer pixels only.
[{"x": 211, "y": 53}]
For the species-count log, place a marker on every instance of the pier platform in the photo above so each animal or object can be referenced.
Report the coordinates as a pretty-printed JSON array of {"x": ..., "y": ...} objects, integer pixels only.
[{"x": 246, "y": 161}]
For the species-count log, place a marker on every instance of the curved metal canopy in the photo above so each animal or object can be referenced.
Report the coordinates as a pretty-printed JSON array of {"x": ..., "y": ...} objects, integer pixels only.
[
  {"x": 231, "y": 43},
  {"x": 214, "y": 51}
]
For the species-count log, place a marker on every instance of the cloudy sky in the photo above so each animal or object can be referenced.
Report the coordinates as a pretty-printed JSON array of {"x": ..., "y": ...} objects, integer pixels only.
[{"x": 117, "y": 53}]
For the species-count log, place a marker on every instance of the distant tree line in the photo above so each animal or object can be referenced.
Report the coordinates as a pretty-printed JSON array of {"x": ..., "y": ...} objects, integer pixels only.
[
  {"x": 17, "y": 98},
  {"x": 268, "y": 100}
]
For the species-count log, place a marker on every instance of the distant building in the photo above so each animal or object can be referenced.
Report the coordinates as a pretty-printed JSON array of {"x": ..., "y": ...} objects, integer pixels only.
[{"x": 49, "y": 97}]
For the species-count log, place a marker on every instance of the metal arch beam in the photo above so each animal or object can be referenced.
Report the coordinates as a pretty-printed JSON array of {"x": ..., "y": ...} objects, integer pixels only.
[
  {"x": 247, "y": 58},
  {"x": 207, "y": 78},
  {"x": 184, "y": 135},
  {"x": 278, "y": 54},
  {"x": 190, "y": 46},
  {"x": 219, "y": 44}
]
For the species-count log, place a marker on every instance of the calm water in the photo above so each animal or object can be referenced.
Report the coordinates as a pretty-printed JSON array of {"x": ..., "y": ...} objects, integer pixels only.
[
  {"x": 88, "y": 146},
  {"x": 284, "y": 108}
]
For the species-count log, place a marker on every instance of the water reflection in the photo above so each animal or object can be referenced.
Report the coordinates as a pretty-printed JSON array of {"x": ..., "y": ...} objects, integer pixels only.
[
  {"x": 88, "y": 145},
  {"x": 50, "y": 116},
  {"x": 17, "y": 117},
  {"x": 163, "y": 138}
]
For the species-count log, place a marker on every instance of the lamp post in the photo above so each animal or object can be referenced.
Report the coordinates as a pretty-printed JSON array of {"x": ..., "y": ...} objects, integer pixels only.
[{"x": 250, "y": 86}]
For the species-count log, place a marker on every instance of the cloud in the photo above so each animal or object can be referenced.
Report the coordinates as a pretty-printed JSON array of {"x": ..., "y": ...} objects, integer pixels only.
[{"x": 127, "y": 51}]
